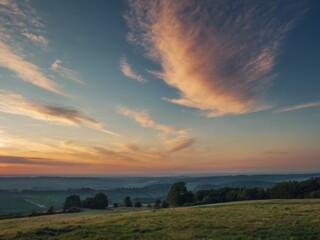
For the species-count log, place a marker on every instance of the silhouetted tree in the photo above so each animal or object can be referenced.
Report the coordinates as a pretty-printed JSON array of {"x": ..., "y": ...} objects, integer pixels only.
[
  {"x": 127, "y": 202},
  {"x": 199, "y": 196},
  {"x": 315, "y": 194},
  {"x": 291, "y": 189},
  {"x": 179, "y": 195},
  {"x": 137, "y": 204},
  {"x": 72, "y": 201},
  {"x": 232, "y": 195},
  {"x": 88, "y": 203},
  {"x": 157, "y": 203},
  {"x": 188, "y": 197},
  {"x": 101, "y": 201},
  {"x": 164, "y": 204},
  {"x": 50, "y": 210},
  {"x": 115, "y": 205}
]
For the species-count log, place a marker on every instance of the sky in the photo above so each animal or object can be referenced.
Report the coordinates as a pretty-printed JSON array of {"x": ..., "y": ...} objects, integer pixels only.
[{"x": 143, "y": 87}]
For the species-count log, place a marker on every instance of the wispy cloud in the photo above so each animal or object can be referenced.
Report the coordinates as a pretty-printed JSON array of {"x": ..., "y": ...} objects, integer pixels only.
[
  {"x": 66, "y": 72},
  {"x": 219, "y": 55},
  {"x": 16, "y": 104},
  {"x": 128, "y": 72},
  {"x": 299, "y": 106},
  {"x": 275, "y": 152},
  {"x": 25, "y": 70},
  {"x": 35, "y": 161},
  {"x": 23, "y": 143},
  {"x": 36, "y": 38},
  {"x": 19, "y": 18},
  {"x": 179, "y": 144},
  {"x": 145, "y": 120}
]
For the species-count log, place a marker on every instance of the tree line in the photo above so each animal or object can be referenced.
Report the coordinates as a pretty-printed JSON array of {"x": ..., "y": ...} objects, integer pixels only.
[
  {"x": 73, "y": 203},
  {"x": 179, "y": 195}
]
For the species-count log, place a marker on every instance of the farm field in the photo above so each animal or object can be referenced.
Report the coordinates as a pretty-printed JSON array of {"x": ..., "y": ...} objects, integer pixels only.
[{"x": 268, "y": 219}]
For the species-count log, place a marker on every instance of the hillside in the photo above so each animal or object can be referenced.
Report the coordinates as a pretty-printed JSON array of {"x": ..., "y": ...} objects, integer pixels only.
[
  {"x": 25, "y": 194},
  {"x": 269, "y": 219}
]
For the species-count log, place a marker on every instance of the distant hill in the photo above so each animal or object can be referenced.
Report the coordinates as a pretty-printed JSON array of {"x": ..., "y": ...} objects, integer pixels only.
[
  {"x": 25, "y": 194},
  {"x": 106, "y": 183}
]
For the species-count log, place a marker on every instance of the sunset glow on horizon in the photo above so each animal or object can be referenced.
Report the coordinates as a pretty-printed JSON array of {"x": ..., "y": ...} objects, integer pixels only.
[{"x": 142, "y": 87}]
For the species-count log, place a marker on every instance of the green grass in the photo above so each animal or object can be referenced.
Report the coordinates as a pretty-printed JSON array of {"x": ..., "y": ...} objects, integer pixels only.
[
  {"x": 270, "y": 219},
  {"x": 16, "y": 202}
]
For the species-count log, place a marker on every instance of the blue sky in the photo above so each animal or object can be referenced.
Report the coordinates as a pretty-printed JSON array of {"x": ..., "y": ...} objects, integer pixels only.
[{"x": 140, "y": 87}]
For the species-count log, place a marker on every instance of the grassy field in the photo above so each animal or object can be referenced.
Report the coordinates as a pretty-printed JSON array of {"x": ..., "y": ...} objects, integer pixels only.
[{"x": 270, "y": 219}]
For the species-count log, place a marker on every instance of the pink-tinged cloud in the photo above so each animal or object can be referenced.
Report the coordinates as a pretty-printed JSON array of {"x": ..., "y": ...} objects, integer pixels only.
[
  {"x": 17, "y": 160},
  {"x": 127, "y": 70},
  {"x": 179, "y": 144},
  {"x": 38, "y": 39},
  {"x": 219, "y": 59},
  {"x": 25, "y": 70},
  {"x": 299, "y": 106},
  {"x": 20, "y": 14},
  {"x": 145, "y": 120},
  {"x": 66, "y": 72},
  {"x": 16, "y": 104},
  {"x": 19, "y": 17}
]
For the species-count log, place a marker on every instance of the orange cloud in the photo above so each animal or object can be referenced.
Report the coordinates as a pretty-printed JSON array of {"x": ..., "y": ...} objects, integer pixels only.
[
  {"x": 179, "y": 144},
  {"x": 16, "y": 104},
  {"x": 34, "y": 161},
  {"x": 220, "y": 60},
  {"x": 128, "y": 71},
  {"x": 145, "y": 120},
  {"x": 25, "y": 70},
  {"x": 66, "y": 72},
  {"x": 299, "y": 106},
  {"x": 36, "y": 38},
  {"x": 19, "y": 18}
]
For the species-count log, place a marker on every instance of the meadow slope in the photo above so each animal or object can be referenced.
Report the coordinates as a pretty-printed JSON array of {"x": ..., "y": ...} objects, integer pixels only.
[{"x": 269, "y": 219}]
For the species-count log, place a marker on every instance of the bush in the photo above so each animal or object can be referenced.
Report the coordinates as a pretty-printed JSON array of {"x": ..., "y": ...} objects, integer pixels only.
[
  {"x": 33, "y": 213},
  {"x": 127, "y": 202},
  {"x": 100, "y": 201},
  {"x": 50, "y": 210},
  {"x": 179, "y": 195},
  {"x": 73, "y": 201},
  {"x": 315, "y": 194},
  {"x": 157, "y": 203},
  {"x": 73, "y": 210},
  {"x": 137, "y": 204},
  {"x": 115, "y": 205},
  {"x": 164, "y": 204},
  {"x": 188, "y": 204},
  {"x": 88, "y": 203}
]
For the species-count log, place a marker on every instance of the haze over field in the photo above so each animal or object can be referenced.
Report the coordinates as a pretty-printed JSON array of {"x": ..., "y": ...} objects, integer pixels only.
[{"x": 159, "y": 87}]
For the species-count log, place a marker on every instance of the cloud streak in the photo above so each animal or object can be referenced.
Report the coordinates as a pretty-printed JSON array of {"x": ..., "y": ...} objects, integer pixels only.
[
  {"x": 298, "y": 107},
  {"x": 219, "y": 59},
  {"x": 66, "y": 72},
  {"x": 25, "y": 70},
  {"x": 129, "y": 72},
  {"x": 179, "y": 144},
  {"x": 34, "y": 161},
  {"x": 16, "y": 104},
  {"x": 145, "y": 120},
  {"x": 18, "y": 18},
  {"x": 36, "y": 39}
]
